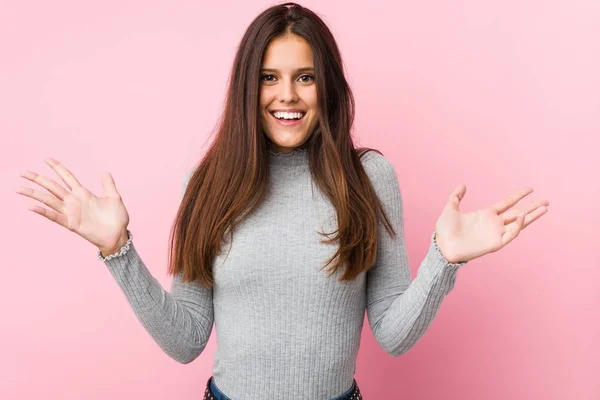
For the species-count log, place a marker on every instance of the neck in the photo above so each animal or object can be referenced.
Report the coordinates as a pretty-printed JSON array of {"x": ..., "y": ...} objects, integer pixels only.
[
  {"x": 297, "y": 157},
  {"x": 284, "y": 150}
]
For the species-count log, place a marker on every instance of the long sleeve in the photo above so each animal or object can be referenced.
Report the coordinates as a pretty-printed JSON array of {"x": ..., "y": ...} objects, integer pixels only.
[
  {"x": 179, "y": 321},
  {"x": 400, "y": 310}
]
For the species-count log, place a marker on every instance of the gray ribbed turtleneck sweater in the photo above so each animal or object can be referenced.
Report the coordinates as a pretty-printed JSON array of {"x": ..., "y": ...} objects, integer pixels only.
[{"x": 284, "y": 330}]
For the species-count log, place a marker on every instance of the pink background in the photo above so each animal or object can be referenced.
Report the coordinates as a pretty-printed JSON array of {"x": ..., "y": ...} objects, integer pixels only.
[{"x": 496, "y": 95}]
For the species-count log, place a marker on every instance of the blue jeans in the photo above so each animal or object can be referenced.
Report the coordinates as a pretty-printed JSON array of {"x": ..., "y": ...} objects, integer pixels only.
[{"x": 218, "y": 395}]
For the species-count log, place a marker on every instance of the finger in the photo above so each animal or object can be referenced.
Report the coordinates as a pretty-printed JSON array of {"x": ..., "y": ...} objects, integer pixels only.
[
  {"x": 513, "y": 199},
  {"x": 45, "y": 198},
  {"x": 512, "y": 214},
  {"x": 51, "y": 215},
  {"x": 110, "y": 188},
  {"x": 66, "y": 175},
  {"x": 47, "y": 183},
  {"x": 513, "y": 230},
  {"x": 533, "y": 216},
  {"x": 457, "y": 195}
]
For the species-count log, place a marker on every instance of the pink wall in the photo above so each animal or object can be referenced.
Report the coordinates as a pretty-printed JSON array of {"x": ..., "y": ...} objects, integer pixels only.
[{"x": 496, "y": 95}]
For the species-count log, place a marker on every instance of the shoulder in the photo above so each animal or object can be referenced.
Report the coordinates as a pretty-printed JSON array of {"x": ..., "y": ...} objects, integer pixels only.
[
  {"x": 186, "y": 180},
  {"x": 187, "y": 176},
  {"x": 382, "y": 174},
  {"x": 377, "y": 166}
]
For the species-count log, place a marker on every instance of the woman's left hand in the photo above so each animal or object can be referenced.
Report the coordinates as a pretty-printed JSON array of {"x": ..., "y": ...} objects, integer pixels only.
[{"x": 465, "y": 236}]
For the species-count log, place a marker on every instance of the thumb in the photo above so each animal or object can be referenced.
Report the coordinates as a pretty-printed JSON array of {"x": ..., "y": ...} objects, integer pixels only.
[
  {"x": 457, "y": 195},
  {"x": 108, "y": 183}
]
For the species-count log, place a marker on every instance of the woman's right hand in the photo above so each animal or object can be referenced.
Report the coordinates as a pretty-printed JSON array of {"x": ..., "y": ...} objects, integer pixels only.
[{"x": 102, "y": 221}]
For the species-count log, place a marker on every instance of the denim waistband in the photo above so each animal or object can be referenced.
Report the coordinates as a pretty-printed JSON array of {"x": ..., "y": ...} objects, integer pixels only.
[{"x": 218, "y": 395}]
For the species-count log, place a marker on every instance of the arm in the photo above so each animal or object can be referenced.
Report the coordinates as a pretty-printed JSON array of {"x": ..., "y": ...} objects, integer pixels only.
[
  {"x": 400, "y": 310},
  {"x": 180, "y": 321}
]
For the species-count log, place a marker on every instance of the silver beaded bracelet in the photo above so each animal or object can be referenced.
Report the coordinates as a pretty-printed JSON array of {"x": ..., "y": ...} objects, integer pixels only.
[{"x": 121, "y": 252}]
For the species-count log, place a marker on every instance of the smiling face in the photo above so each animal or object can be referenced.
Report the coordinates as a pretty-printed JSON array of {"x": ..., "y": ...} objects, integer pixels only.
[{"x": 288, "y": 93}]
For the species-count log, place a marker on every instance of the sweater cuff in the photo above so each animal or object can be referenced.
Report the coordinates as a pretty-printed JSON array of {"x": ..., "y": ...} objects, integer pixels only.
[
  {"x": 120, "y": 253},
  {"x": 439, "y": 253},
  {"x": 436, "y": 268}
]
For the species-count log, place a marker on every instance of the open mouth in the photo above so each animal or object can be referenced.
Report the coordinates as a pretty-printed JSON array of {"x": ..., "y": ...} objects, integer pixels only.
[{"x": 288, "y": 118}]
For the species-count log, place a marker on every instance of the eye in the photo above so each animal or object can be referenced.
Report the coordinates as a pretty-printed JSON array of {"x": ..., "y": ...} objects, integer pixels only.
[
  {"x": 262, "y": 78},
  {"x": 310, "y": 78}
]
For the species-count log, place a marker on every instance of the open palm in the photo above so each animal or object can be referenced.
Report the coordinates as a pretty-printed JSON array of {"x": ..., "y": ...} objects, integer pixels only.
[
  {"x": 100, "y": 220},
  {"x": 464, "y": 236}
]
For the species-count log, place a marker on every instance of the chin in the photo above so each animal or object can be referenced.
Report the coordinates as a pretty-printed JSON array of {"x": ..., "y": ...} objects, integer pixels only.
[{"x": 289, "y": 143}]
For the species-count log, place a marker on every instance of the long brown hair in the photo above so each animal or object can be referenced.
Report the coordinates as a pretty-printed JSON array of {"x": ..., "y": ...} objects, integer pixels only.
[{"x": 231, "y": 180}]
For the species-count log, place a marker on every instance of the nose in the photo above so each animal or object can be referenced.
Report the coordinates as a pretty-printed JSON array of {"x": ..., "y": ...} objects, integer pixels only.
[{"x": 288, "y": 92}]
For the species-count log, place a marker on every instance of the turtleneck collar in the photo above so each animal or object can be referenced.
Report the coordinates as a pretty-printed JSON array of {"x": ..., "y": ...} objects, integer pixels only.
[{"x": 295, "y": 158}]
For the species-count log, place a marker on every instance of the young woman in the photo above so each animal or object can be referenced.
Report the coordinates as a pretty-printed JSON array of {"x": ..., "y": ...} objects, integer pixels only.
[{"x": 286, "y": 233}]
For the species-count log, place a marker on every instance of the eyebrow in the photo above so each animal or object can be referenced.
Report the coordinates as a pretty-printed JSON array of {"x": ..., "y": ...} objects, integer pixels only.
[{"x": 303, "y": 69}]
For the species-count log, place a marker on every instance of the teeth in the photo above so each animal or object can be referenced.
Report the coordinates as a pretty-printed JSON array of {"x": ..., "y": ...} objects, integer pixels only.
[{"x": 286, "y": 115}]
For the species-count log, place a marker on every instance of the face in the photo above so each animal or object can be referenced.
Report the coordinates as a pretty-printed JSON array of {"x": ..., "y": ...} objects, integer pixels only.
[{"x": 288, "y": 93}]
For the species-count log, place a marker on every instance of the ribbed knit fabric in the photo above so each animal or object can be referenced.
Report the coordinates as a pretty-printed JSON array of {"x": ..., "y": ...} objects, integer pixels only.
[{"x": 284, "y": 330}]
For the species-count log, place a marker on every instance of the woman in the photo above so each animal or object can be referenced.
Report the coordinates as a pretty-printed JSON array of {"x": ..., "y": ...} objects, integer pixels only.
[{"x": 247, "y": 248}]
